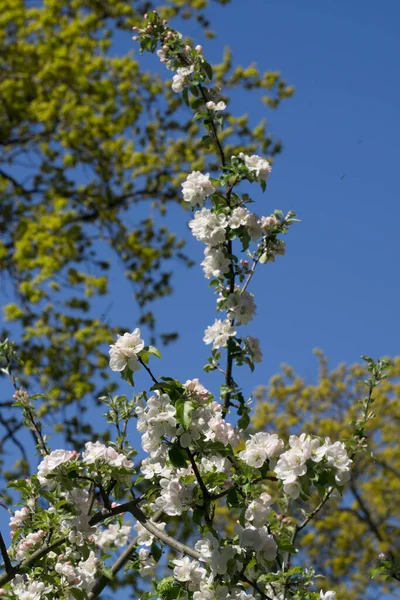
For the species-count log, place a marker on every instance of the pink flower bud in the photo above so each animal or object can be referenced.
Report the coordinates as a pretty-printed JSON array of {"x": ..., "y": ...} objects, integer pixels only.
[
  {"x": 145, "y": 16},
  {"x": 134, "y": 28},
  {"x": 199, "y": 49}
]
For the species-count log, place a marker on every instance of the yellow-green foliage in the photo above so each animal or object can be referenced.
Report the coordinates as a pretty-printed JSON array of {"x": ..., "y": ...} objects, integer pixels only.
[
  {"x": 350, "y": 532},
  {"x": 82, "y": 145}
]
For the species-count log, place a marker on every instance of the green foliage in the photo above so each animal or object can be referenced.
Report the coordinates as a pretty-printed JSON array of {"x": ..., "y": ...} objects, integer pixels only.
[
  {"x": 339, "y": 406},
  {"x": 87, "y": 138}
]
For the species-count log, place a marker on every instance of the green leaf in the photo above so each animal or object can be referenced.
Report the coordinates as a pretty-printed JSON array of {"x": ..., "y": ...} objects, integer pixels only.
[
  {"x": 156, "y": 552},
  {"x": 233, "y": 499},
  {"x": 127, "y": 375},
  {"x": 208, "y": 69},
  {"x": 107, "y": 572},
  {"x": 185, "y": 96},
  {"x": 177, "y": 456},
  {"x": 153, "y": 351}
]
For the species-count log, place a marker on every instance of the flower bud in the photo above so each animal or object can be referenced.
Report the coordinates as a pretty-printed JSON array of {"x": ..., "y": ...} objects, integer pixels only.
[{"x": 199, "y": 49}]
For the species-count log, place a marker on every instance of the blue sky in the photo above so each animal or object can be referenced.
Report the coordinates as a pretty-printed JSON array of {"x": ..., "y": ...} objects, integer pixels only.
[{"x": 336, "y": 288}]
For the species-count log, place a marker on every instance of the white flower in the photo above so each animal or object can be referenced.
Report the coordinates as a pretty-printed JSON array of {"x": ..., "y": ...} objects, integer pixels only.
[
  {"x": 257, "y": 165},
  {"x": 19, "y": 517},
  {"x": 145, "y": 538},
  {"x": 241, "y": 307},
  {"x": 215, "y": 107},
  {"x": 190, "y": 571},
  {"x": 239, "y": 217},
  {"x": 51, "y": 463},
  {"x": 25, "y": 588},
  {"x": 124, "y": 352},
  {"x": 79, "y": 497},
  {"x": 215, "y": 464},
  {"x": 147, "y": 563},
  {"x": 87, "y": 570},
  {"x": 28, "y": 543},
  {"x": 219, "y": 333},
  {"x": 114, "y": 535},
  {"x": 162, "y": 55},
  {"x": 292, "y": 489},
  {"x": 253, "y": 347},
  {"x": 174, "y": 498},
  {"x": 99, "y": 453},
  {"x": 217, "y": 428},
  {"x": 214, "y": 554},
  {"x": 208, "y": 227},
  {"x": 179, "y": 80},
  {"x": 196, "y": 390},
  {"x": 327, "y": 595},
  {"x": 196, "y": 188},
  {"x": 268, "y": 223},
  {"x": 260, "y": 447},
  {"x": 258, "y": 510},
  {"x": 336, "y": 456},
  {"x": 260, "y": 540},
  {"x": 215, "y": 263},
  {"x": 291, "y": 465}
]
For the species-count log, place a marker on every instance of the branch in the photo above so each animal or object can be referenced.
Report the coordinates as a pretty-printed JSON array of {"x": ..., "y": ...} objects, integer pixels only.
[
  {"x": 366, "y": 512},
  {"x": 9, "y": 568},
  {"x": 314, "y": 512}
]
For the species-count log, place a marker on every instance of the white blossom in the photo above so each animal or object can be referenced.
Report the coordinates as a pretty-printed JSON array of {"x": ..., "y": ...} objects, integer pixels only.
[
  {"x": 241, "y": 307},
  {"x": 216, "y": 263},
  {"x": 97, "y": 453},
  {"x": 51, "y": 464},
  {"x": 257, "y": 165},
  {"x": 196, "y": 188},
  {"x": 258, "y": 510},
  {"x": 261, "y": 447},
  {"x": 208, "y": 227},
  {"x": 18, "y": 518},
  {"x": 190, "y": 571},
  {"x": 115, "y": 534},
  {"x": 216, "y": 106},
  {"x": 219, "y": 333},
  {"x": 125, "y": 350},
  {"x": 253, "y": 347},
  {"x": 179, "y": 80},
  {"x": 145, "y": 538},
  {"x": 327, "y": 595},
  {"x": 196, "y": 390},
  {"x": 175, "y": 498},
  {"x": 260, "y": 540},
  {"x": 26, "y": 588},
  {"x": 28, "y": 543},
  {"x": 147, "y": 563}
]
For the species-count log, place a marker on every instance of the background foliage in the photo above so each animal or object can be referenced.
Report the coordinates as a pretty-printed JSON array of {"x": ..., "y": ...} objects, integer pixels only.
[
  {"x": 93, "y": 150},
  {"x": 344, "y": 542}
]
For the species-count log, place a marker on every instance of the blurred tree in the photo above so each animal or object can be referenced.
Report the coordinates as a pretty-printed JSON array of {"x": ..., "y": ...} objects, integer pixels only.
[
  {"x": 346, "y": 541},
  {"x": 86, "y": 138}
]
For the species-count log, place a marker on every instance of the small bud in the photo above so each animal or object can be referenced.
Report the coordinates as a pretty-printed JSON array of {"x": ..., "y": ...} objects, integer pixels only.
[
  {"x": 145, "y": 16},
  {"x": 187, "y": 48},
  {"x": 382, "y": 556},
  {"x": 199, "y": 49}
]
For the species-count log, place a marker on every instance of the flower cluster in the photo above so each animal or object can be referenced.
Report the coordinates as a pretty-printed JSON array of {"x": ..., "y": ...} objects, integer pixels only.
[
  {"x": 194, "y": 457},
  {"x": 124, "y": 353}
]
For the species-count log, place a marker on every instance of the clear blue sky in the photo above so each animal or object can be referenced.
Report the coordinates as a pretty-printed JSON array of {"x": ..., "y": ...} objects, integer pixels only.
[{"x": 337, "y": 287}]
